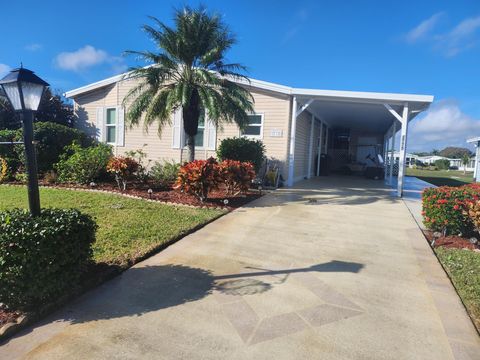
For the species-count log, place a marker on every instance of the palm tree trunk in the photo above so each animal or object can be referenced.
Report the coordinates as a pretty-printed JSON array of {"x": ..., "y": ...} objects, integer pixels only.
[{"x": 191, "y": 147}]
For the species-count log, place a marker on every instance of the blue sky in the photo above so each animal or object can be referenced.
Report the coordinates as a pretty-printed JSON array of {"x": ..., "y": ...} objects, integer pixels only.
[{"x": 426, "y": 47}]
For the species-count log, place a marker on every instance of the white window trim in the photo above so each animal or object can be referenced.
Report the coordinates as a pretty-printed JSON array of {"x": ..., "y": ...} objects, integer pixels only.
[
  {"x": 260, "y": 137},
  {"x": 106, "y": 125}
]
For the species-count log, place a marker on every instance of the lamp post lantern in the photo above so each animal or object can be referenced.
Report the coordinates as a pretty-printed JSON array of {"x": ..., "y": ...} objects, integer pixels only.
[{"x": 24, "y": 91}]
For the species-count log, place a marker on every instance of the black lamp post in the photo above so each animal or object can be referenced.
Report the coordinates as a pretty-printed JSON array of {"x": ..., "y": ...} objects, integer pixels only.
[{"x": 24, "y": 91}]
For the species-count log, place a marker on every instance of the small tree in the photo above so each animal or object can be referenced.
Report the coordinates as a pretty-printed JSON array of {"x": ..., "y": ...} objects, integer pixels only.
[
  {"x": 465, "y": 161},
  {"x": 442, "y": 164}
]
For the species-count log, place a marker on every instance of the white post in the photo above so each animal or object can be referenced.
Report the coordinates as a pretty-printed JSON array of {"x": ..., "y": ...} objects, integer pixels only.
[
  {"x": 319, "y": 148},
  {"x": 392, "y": 150},
  {"x": 291, "y": 153},
  {"x": 310, "y": 148},
  {"x": 403, "y": 150},
  {"x": 385, "y": 155},
  {"x": 476, "y": 170},
  {"x": 326, "y": 139}
]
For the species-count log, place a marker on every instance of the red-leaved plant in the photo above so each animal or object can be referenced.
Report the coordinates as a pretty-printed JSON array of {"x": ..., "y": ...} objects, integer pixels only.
[
  {"x": 198, "y": 178},
  {"x": 236, "y": 175},
  {"x": 445, "y": 208},
  {"x": 124, "y": 169}
]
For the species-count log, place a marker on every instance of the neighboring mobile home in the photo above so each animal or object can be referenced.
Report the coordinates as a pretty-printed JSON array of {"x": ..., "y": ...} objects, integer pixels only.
[{"x": 296, "y": 125}]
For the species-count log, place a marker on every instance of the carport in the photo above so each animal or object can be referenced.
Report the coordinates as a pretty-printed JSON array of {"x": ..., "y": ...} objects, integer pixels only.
[{"x": 345, "y": 124}]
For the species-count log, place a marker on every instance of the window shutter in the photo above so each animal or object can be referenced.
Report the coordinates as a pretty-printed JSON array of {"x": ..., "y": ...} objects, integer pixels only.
[
  {"x": 100, "y": 124},
  {"x": 120, "y": 126},
  {"x": 177, "y": 129},
  {"x": 210, "y": 137}
]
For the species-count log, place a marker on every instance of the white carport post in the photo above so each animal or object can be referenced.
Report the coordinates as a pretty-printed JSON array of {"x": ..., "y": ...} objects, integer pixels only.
[
  {"x": 392, "y": 152},
  {"x": 310, "y": 147},
  {"x": 403, "y": 144},
  {"x": 476, "y": 167},
  {"x": 320, "y": 142},
  {"x": 403, "y": 150},
  {"x": 291, "y": 152}
]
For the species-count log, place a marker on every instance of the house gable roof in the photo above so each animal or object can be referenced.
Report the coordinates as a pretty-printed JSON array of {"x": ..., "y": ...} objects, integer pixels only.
[{"x": 282, "y": 89}]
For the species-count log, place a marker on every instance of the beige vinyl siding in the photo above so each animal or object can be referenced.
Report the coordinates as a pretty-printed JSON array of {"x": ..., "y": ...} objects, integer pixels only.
[{"x": 274, "y": 107}]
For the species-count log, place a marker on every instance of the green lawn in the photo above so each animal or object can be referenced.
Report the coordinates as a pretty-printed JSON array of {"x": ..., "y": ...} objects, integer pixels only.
[
  {"x": 463, "y": 266},
  {"x": 128, "y": 228},
  {"x": 442, "y": 177}
]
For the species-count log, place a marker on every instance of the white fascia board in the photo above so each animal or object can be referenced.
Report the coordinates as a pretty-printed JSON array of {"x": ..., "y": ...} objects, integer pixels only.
[
  {"x": 94, "y": 86},
  {"x": 473, "y": 140},
  {"x": 264, "y": 85},
  {"x": 334, "y": 95},
  {"x": 363, "y": 96}
]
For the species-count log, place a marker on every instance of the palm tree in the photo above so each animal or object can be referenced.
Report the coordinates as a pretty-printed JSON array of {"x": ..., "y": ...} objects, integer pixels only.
[
  {"x": 465, "y": 161},
  {"x": 188, "y": 72}
]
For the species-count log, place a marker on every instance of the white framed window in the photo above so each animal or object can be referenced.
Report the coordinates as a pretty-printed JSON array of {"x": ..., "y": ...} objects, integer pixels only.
[
  {"x": 254, "y": 128},
  {"x": 200, "y": 137},
  {"x": 111, "y": 126}
]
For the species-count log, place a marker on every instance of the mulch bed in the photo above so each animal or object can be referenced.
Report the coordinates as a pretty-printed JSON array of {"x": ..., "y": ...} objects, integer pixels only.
[
  {"x": 451, "y": 241},
  {"x": 216, "y": 198}
]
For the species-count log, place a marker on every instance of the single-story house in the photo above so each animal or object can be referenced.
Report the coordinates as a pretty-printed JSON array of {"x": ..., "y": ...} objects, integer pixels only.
[{"x": 299, "y": 127}]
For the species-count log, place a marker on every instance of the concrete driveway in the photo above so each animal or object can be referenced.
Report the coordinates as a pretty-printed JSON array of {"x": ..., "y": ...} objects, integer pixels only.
[{"x": 333, "y": 269}]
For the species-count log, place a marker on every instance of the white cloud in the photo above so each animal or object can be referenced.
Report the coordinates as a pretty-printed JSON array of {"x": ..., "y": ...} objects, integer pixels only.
[
  {"x": 81, "y": 59},
  {"x": 451, "y": 42},
  {"x": 299, "y": 18},
  {"x": 423, "y": 29},
  {"x": 460, "y": 38},
  {"x": 33, "y": 47},
  {"x": 444, "y": 124},
  {"x": 4, "y": 69}
]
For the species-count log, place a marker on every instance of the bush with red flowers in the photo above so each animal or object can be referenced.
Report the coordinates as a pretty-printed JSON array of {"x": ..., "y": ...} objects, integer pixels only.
[
  {"x": 445, "y": 208},
  {"x": 124, "y": 169},
  {"x": 199, "y": 177},
  {"x": 236, "y": 175}
]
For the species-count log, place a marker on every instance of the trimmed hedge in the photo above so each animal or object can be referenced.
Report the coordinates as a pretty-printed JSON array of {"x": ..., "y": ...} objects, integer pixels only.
[
  {"x": 42, "y": 257},
  {"x": 445, "y": 208},
  {"x": 51, "y": 141},
  {"x": 242, "y": 149},
  {"x": 83, "y": 165}
]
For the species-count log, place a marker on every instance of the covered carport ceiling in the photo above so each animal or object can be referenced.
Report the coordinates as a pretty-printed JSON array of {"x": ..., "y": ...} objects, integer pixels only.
[
  {"x": 366, "y": 117},
  {"x": 360, "y": 110}
]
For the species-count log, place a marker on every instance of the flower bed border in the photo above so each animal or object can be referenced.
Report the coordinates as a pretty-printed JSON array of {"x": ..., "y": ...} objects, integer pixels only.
[{"x": 170, "y": 203}]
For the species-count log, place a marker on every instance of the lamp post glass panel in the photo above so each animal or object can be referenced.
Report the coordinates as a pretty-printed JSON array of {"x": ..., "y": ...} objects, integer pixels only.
[{"x": 24, "y": 91}]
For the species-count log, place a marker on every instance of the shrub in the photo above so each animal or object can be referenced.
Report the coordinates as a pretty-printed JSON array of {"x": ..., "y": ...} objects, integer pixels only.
[
  {"x": 124, "y": 169},
  {"x": 3, "y": 170},
  {"x": 50, "y": 177},
  {"x": 42, "y": 257},
  {"x": 443, "y": 208},
  {"x": 442, "y": 164},
  {"x": 236, "y": 175},
  {"x": 199, "y": 177},
  {"x": 473, "y": 213},
  {"x": 140, "y": 157},
  {"x": 164, "y": 174},
  {"x": 10, "y": 152},
  {"x": 83, "y": 165},
  {"x": 242, "y": 149},
  {"x": 51, "y": 141}
]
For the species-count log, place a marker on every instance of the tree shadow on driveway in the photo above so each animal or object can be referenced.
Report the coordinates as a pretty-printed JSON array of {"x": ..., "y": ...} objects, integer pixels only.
[{"x": 146, "y": 289}]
